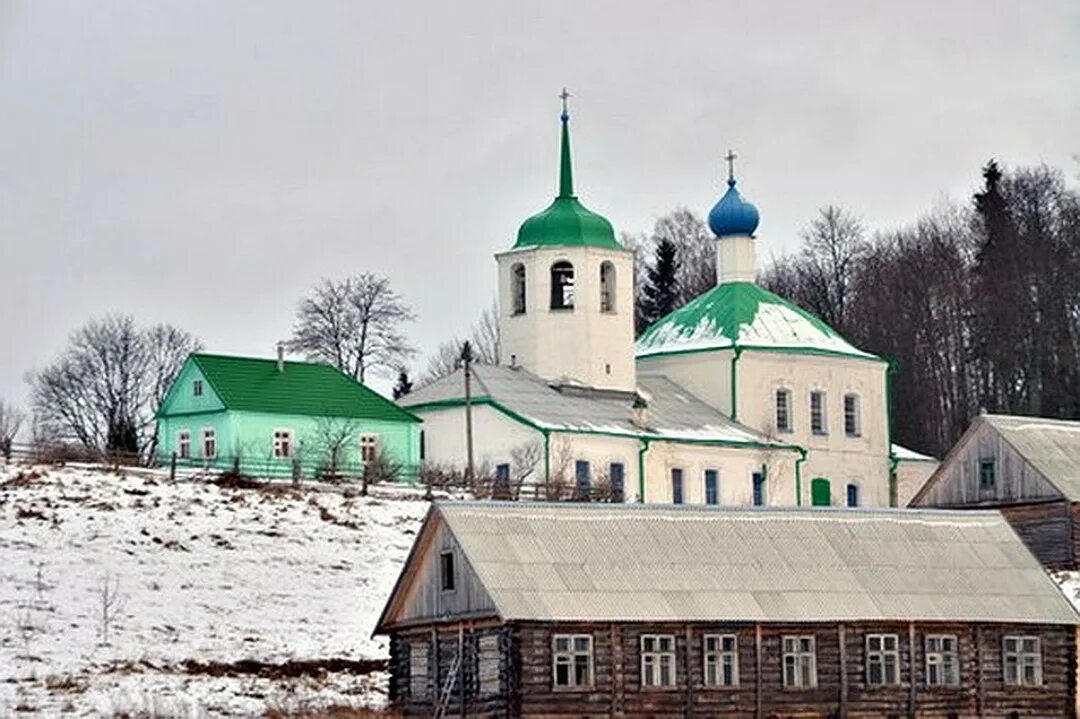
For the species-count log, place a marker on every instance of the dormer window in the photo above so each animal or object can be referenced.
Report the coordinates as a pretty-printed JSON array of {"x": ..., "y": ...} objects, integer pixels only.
[
  {"x": 562, "y": 286},
  {"x": 196, "y": 388},
  {"x": 517, "y": 288}
]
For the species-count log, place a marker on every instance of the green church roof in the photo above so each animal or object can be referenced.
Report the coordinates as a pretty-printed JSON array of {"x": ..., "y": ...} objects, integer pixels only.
[
  {"x": 566, "y": 222},
  {"x": 741, "y": 314},
  {"x": 251, "y": 384}
]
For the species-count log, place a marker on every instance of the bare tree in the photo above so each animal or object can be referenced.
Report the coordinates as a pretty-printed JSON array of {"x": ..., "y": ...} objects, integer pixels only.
[
  {"x": 330, "y": 440},
  {"x": 523, "y": 462},
  {"x": 11, "y": 419},
  {"x": 483, "y": 339},
  {"x": 110, "y": 604},
  {"x": 832, "y": 246},
  {"x": 354, "y": 324},
  {"x": 102, "y": 392}
]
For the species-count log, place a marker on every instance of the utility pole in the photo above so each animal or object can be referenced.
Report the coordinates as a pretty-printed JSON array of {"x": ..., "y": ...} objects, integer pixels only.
[{"x": 466, "y": 361}]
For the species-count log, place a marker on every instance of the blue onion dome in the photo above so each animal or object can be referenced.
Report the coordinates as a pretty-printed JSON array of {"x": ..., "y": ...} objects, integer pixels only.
[{"x": 733, "y": 215}]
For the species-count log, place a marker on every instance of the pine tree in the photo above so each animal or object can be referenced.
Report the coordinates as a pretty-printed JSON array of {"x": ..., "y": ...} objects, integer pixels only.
[
  {"x": 661, "y": 291},
  {"x": 403, "y": 386}
]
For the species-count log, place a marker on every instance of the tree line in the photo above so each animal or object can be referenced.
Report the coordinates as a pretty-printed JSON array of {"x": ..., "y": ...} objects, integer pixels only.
[{"x": 976, "y": 305}]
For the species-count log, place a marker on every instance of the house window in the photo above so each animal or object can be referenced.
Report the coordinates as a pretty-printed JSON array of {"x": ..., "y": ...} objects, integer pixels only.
[
  {"x": 419, "y": 660},
  {"x": 583, "y": 477},
  {"x": 183, "y": 443},
  {"x": 759, "y": 489},
  {"x": 817, "y": 413},
  {"x": 617, "y": 475},
  {"x": 987, "y": 478},
  {"x": 676, "y": 486},
  {"x": 712, "y": 487},
  {"x": 369, "y": 448},
  {"x": 882, "y": 659},
  {"x": 607, "y": 287},
  {"x": 852, "y": 424},
  {"x": 446, "y": 571},
  {"x": 283, "y": 443},
  {"x": 853, "y": 495},
  {"x": 487, "y": 665},
  {"x": 562, "y": 286},
  {"x": 657, "y": 660},
  {"x": 209, "y": 443},
  {"x": 721, "y": 660},
  {"x": 783, "y": 410},
  {"x": 1022, "y": 661},
  {"x": 196, "y": 388},
  {"x": 942, "y": 661},
  {"x": 800, "y": 662},
  {"x": 502, "y": 475},
  {"x": 517, "y": 288},
  {"x": 572, "y": 660}
]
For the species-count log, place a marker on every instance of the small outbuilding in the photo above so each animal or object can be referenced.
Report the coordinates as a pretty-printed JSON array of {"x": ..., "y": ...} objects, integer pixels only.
[
  {"x": 533, "y": 609},
  {"x": 1029, "y": 469}
]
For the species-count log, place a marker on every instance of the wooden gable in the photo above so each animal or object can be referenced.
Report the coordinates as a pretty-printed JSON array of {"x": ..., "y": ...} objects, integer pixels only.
[
  {"x": 956, "y": 483},
  {"x": 419, "y": 596}
]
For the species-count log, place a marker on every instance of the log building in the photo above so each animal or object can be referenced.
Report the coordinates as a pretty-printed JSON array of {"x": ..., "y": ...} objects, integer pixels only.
[
  {"x": 549, "y": 610},
  {"x": 1026, "y": 467}
]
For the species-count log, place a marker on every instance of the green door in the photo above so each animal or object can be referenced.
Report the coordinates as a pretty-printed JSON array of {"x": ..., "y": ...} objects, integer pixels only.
[{"x": 820, "y": 495}]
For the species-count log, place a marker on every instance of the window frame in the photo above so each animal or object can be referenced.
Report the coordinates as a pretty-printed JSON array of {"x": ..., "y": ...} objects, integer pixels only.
[
  {"x": 369, "y": 441},
  {"x": 570, "y": 656},
  {"x": 757, "y": 489},
  {"x": 852, "y": 417},
  {"x": 787, "y": 426},
  {"x": 678, "y": 481},
  {"x": 197, "y": 388},
  {"x": 447, "y": 579},
  {"x": 984, "y": 486},
  {"x": 942, "y": 661},
  {"x": 1020, "y": 654},
  {"x": 797, "y": 654},
  {"x": 883, "y": 657},
  {"x": 820, "y": 427},
  {"x": 654, "y": 659},
  {"x": 183, "y": 444},
  {"x": 608, "y": 287},
  {"x": 618, "y": 488},
  {"x": 519, "y": 287},
  {"x": 851, "y": 489},
  {"x": 718, "y": 656},
  {"x": 209, "y": 435},
  {"x": 715, "y": 491},
  {"x": 582, "y": 479},
  {"x": 282, "y": 443}
]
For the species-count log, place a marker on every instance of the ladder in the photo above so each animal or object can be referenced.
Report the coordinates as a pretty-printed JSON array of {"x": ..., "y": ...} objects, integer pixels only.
[{"x": 448, "y": 687}]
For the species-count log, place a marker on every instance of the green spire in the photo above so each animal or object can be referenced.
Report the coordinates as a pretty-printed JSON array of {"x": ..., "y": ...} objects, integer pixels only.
[
  {"x": 566, "y": 170},
  {"x": 566, "y": 222}
]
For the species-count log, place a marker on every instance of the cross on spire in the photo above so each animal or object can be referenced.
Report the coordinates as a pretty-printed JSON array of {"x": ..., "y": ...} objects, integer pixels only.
[
  {"x": 730, "y": 157},
  {"x": 564, "y": 96}
]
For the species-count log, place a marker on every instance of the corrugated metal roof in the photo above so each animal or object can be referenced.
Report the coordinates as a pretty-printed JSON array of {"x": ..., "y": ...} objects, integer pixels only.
[
  {"x": 673, "y": 412},
  {"x": 1052, "y": 446},
  {"x": 573, "y": 562}
]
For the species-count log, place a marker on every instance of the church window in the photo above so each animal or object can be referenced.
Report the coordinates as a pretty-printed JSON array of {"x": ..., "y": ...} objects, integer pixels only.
[
  {"x": 853, "y": 495},
  {"x": 617, "y": 477},
  {"x": 676, "y": 486},
  {"x": 183, "y": 442},
  {"x": 583, "y": 474},
  {"x": 759, "y": 489},
  {"x": 282, "y": 443},
  {"x": 607, "y": 287},
  {"x": 209, "y": 443},
  {"x": 852, "y": 424},
  {"x": 712, "y": 488},
  {"x": 783, "y": 410},
  {"x": 517, "y": 288},
  {"x": 987, "y": 478},
  {"x": 817, "y": 413},
  {"x": 882, "y": 659},
  {"x": 196, "y": 388},
  {"x": 562, "y": 286},
  {"x": 800, "y": 662}
]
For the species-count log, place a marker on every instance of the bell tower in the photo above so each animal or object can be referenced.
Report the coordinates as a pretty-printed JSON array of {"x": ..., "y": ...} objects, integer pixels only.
[{"x": 566, "y": 292}]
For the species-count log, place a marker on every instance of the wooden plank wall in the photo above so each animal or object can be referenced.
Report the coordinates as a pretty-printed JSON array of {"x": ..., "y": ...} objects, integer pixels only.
[
  {"x": 526, "y": 689},
  {"x": 1047, "y": 530}
]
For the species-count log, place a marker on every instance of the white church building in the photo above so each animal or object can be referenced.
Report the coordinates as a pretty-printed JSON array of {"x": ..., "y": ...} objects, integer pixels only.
[{"x": 737, "y": 398}]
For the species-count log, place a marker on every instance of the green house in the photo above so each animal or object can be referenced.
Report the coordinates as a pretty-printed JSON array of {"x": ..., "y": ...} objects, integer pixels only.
[{"x": 275, "y": 418}]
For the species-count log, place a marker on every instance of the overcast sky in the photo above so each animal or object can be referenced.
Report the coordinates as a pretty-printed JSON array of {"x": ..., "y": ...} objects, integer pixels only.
[{"x": 204, "y": 163}]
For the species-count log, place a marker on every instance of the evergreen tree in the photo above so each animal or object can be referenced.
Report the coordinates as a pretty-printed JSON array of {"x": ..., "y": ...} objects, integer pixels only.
[
  {"x": 661, "y": 291},
  {"x": 403, "y": 386}
]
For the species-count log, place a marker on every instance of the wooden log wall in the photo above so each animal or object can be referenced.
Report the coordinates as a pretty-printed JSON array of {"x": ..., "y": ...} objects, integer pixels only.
[
  {"x": 526, "y": 688},
  {"x": 1047, "y": 530}
]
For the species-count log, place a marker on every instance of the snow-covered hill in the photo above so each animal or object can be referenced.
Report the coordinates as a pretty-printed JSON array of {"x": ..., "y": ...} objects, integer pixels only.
[{"x": 205, "y": 577}]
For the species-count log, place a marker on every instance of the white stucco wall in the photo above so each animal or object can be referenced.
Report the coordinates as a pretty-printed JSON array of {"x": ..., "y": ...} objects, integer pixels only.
[
  {"x": 582, "y": 343},
  {"x": 911, "y": 475},
  {"x": 735, "y": 468}
]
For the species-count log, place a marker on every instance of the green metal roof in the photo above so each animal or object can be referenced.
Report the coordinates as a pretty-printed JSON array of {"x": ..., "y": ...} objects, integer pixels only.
[
  {"x": 251, "y": 384},
  {"x": 566, "y": 222},
  {"x": 741, "y": 314}
]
